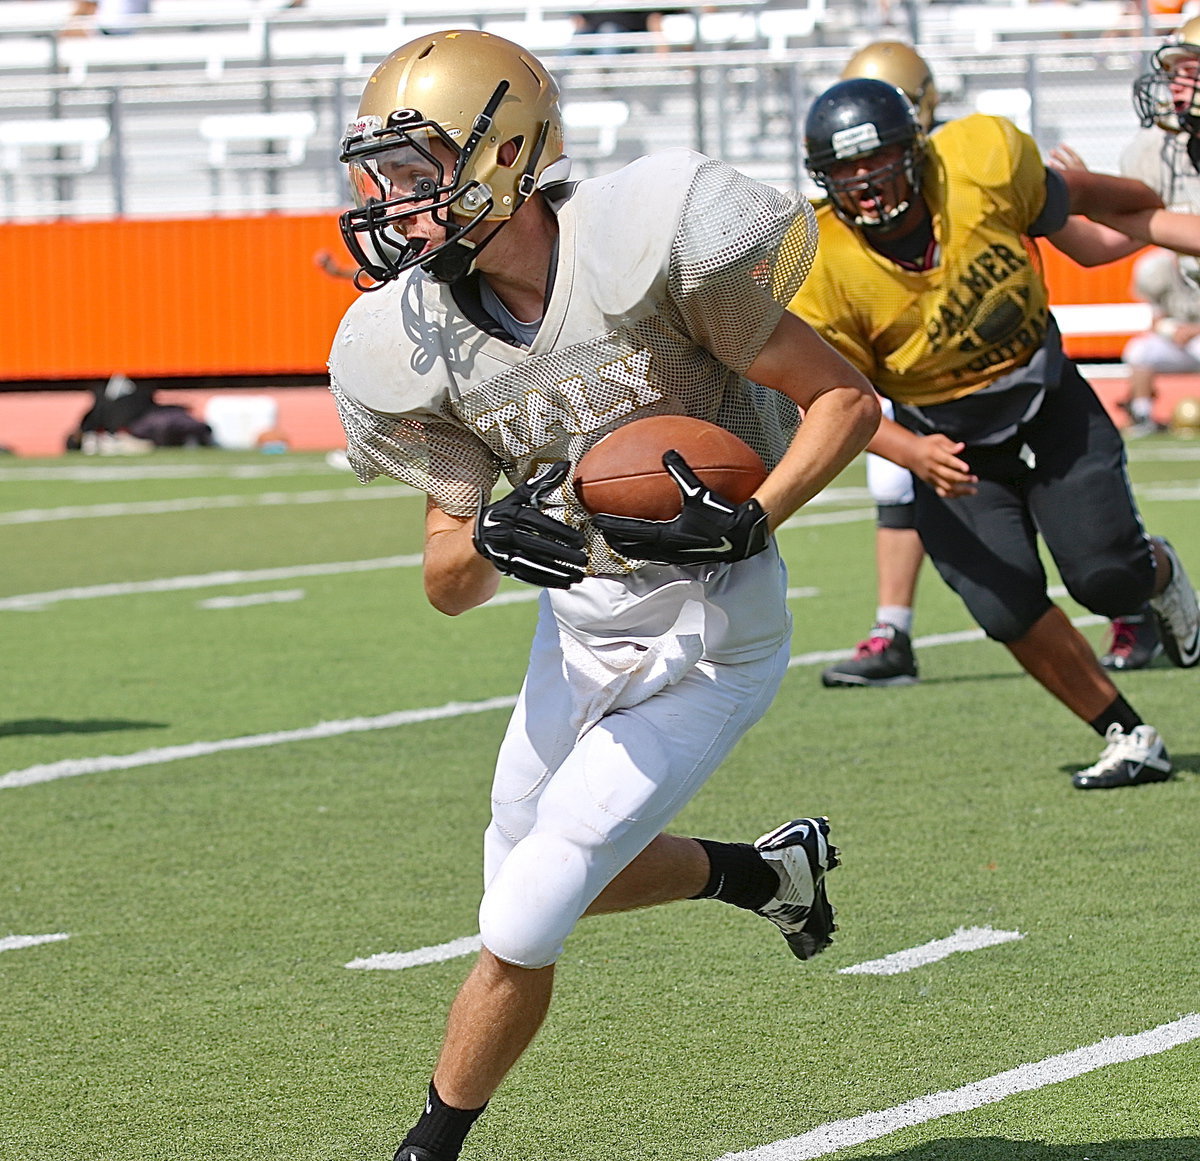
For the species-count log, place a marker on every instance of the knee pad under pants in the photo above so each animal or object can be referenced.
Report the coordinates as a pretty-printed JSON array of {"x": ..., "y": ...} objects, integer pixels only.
[
  {"x": 887, "y": 482},
  {"x": 569, "y": 815}
]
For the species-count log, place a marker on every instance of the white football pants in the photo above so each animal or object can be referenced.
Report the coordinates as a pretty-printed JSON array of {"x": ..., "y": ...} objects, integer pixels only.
[{"x": 568, "y": 814}]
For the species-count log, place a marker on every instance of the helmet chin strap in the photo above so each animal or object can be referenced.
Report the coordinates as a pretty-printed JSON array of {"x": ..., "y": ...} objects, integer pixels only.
[{"x": 454, "y": 260}]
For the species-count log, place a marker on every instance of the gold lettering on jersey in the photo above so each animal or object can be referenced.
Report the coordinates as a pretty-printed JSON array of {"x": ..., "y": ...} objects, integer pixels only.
[{"x": 544, "y": 413}]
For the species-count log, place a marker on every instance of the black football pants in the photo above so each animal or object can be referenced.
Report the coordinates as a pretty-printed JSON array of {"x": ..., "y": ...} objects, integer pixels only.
[{"x": 1062, "y": 477}]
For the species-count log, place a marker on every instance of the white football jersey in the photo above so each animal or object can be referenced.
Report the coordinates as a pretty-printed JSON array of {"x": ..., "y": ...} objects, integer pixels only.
[
  {"x": 671, "y": 274},
  {"x": 1160, "y": 159}
]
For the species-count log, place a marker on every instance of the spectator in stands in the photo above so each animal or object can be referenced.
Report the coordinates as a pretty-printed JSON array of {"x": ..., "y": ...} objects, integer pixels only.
[
  {"x": 108, "y": 17},
  {"x": 614, "y": 23}
]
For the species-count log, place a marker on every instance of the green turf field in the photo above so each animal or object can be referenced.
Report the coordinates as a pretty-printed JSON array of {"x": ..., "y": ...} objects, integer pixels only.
[{"x": 176, "y": 626}]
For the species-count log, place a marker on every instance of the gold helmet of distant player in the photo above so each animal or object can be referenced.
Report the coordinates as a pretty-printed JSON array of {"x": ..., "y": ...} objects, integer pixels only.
[
  {"x": 1169, "y": 94},
  {"x": 901, "y": 65},
  {"x": 1185, "y": 418},
  {"x": 461, "y": 125}
]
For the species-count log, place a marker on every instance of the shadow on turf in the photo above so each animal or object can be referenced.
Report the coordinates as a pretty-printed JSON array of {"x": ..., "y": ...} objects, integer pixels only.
[
  {"x": 63, "y": 726},
  {"x": 1003, "y": 1149}
]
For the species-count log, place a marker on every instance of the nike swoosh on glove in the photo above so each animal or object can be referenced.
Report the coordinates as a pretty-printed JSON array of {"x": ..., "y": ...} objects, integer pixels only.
[
  {"x": 710, "y": 529},
  {"x": 523, "y": 542}
]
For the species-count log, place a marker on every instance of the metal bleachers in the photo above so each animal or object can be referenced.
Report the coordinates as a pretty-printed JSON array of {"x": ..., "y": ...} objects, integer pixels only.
[{"x": 730, "y": 79}]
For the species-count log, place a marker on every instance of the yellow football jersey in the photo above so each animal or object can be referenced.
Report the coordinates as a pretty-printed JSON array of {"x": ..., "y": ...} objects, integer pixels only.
[{"x": 928, "y": 336}]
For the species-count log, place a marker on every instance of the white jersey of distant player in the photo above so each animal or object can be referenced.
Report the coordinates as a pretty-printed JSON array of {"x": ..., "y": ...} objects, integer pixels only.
[
  {"x": 1161, "y": 160},
  {"x": 671, "y": 274}
]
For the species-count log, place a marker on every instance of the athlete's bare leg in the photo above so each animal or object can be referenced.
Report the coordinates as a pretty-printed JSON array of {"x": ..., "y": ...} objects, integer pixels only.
[
  {"x": 495, "y": 1015},
  {"x": 898, "y": 557},
  {"x": 1142, "y": 393},
  {"x": 1059, "y": 657},
  {"x": 500, "y": 1006}
]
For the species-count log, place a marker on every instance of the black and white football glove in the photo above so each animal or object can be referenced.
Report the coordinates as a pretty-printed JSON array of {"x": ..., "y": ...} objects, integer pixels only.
[
  {"x": 523, "y": 542},
  {"x": 709, "y": 530}
]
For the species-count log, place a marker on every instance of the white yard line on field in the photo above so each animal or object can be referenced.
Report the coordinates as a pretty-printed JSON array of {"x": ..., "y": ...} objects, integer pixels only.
[
  {"x": 173, "y": 584},
  {"x": 396, "y": 960},
  {"x": 830, "y": 1138},
  {"x": 16, "y": 942},
  {"x": 964, "y": 939},
  {"x": 324, "y": 496},
  {"x": 280, "y": 596},
  {"x": 95, "y": 473},
  {"x": 203, "y": 504},
  {"x": 73, "y": 767}
]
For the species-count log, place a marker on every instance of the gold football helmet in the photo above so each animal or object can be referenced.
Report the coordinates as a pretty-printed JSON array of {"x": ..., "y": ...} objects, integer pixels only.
[
  {"x": 460, "y": 125},
  {"x": 1185, "y": 418},
  {"x": 901, "y": 65},
  {"x": 1169, "y": 94}
]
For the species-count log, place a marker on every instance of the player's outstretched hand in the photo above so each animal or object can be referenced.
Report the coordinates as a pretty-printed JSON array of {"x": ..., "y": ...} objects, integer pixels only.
[
  {"x": 523, "y": 542},
  {"x": 1064, "y": 157},
  {"x": 938, "y": 465},
  {"x": 710, "y": 528}
]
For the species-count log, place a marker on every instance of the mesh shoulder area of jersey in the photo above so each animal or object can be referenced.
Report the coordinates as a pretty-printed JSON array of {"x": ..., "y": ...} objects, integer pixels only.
[{"x": 741, "y": 252}]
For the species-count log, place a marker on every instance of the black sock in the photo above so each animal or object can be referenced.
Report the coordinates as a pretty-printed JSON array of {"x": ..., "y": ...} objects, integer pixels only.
[
  {"x": 442, "y": 1129},
  {"x": 739, "y": 875},
  {"x": 1120, "y": 712}
]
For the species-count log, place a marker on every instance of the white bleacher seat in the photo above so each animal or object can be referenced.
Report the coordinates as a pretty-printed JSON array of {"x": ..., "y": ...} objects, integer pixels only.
[
  {"x": 26, "y": 146},
  {"x": 728, "y": 29},
  {"x": 33, "y": 151},
  {"x": 264, "y": 143},
  {"x": 229, "y": 134},
  {"x": 208, "y": 50},
  {"x": 548, "y": 35},
  {"x": 28, "y": 53},
  {"x": 591, "y": 129},
  {"x": 349, "y": 47},
  {"x": 679, "y": 29},
  {"x": 1015, "y": 104},
  {"x": 778, "y": 27},
  {"x": 44, "y": 15}
]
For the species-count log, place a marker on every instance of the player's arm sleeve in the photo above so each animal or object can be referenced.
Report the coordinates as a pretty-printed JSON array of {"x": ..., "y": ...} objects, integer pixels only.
[
  {"x": 1056, "y": 209},
  {"x": 740, "y": 253},
  {"x": 433, "y": 453}
]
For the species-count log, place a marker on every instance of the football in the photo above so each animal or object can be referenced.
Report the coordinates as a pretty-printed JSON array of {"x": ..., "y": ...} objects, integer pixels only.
[{"x": 623, "y": 474}]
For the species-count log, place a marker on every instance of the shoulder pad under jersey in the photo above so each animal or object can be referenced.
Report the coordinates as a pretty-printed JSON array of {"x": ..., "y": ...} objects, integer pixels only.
[{"x": 382, "y": 355}]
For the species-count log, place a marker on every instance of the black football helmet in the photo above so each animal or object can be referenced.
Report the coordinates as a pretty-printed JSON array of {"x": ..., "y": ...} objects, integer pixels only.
[{"x": 856, "y": 118}]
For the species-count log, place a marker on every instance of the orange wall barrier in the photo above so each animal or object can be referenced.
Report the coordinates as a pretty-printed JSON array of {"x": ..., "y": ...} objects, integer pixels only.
[
  {"x": 195, "y": 297},
  {"x": 238, "y": 297},
  {"x": 1070, "y": 283}
]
